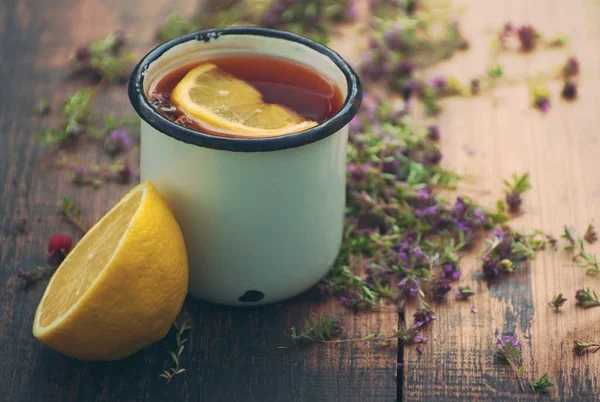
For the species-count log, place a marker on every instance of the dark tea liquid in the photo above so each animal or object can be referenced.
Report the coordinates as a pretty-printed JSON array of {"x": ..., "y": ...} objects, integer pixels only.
[{"x": 279, "y": 81}]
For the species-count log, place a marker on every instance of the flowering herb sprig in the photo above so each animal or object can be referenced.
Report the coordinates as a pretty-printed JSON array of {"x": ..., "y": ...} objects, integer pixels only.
[
  {"x": 557, "y": 301},
  {"x": 181, "y": 340},
  {"x": 104, "y": 59},
  {"x": 312, "y": 18},
  {"x": 509, "y": 350},
  {"x": 35, "y": 274},
  {"x": 76, "y": 110},
  {"x": 587, "y": 298},
  {"x": 93, "y": 175},
  {"x": 514, "y": 190},
  {"x": 542, "y": 384},
  {"x": 576, "y": 245},
  {"x": 316, "y": 330},
  {"x": 526, "y": 38},
  {"x": 507, "y": 250},
  {"x": 540, "y": 97},
  {"x": 327, "y": 330},
  {"x": 580, "y": 348}
]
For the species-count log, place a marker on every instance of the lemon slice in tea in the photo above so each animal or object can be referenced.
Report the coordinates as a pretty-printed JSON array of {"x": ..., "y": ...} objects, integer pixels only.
[
  {"x": 212, "y": 96},
  {"x": 121, "y": 287}
]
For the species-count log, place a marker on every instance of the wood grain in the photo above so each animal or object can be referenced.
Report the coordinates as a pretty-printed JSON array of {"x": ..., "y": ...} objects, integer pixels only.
[
  {"x": 560, "y": 150},
  {"x": 232, "y": 353}
]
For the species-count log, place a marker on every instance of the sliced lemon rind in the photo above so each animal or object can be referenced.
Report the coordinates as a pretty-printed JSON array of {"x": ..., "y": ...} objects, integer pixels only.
[{"x": 204, "y": 115}]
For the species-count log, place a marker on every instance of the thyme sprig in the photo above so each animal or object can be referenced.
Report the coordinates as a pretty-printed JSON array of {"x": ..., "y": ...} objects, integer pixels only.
[
  {"x": 181, "y": 340},
  {"x": 542, "y": 384},
  {"x": 327, "y": 329}
]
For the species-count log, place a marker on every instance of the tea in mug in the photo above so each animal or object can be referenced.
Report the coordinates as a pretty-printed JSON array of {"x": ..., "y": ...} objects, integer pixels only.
[{"x": 244, "y": 95}]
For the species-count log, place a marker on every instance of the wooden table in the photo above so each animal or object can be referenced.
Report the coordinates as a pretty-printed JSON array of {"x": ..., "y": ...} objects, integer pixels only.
[{"x": 232, "y": 353}]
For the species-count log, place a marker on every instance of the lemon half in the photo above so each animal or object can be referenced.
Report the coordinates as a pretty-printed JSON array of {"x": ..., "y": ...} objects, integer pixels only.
[
  {"x": 212, "y": 96},
  {"x": 121, "y": 287}
]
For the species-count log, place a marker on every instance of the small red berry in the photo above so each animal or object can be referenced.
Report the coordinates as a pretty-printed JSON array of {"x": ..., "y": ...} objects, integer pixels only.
[{"x": 59, "y": 243}]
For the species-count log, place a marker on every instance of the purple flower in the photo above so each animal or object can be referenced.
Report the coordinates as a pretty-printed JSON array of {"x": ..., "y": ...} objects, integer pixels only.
[
  {"x": 571, "y": 68},
  {"x": 404, "y": 69},
  {"x": 460, "y": 205},
  {"x": 358, "y": 172},
  {"x": 528, "y": 37},
  {"x": 391, "y": 166},
  {"x": 420, "y": 339},
  {"x": 479, "y": 216},
  {"x": 543, "y": 105},
  {"x": 440, "y": 288},
  {"x": 409, "y": 88},
  {"x": 460, "y": 225},
  {"x": 423, "y": 317},
  {"x": 393, "y": 37},
  {"x": 353, "y": 11},
  {"x": 509, "y": 340},
  {"x": 473, "y": 309},
  {"x": 514, "y": 201},
  {"x": 450, "y": 272},
  {"x": 433, "y": 157},
  {"x": 409, "y": 288},
  {"x": 426, "y": 211},
  {"x": 438, "y": 82},
  {"x": 491, "y": 268},
  {"x": 433, "y": 133},
  {"x": 116, "y": 142},
  {"x": 569, "y": 91}
]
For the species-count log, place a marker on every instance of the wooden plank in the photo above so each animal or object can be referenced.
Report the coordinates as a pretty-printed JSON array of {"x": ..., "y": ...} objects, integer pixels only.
[
  {"x": 560, "y": 150},
  {"x": 232, "y": 353}
]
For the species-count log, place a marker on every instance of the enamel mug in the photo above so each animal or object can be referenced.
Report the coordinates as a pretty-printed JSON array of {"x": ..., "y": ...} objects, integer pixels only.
[{"x": 262, "y": 218}]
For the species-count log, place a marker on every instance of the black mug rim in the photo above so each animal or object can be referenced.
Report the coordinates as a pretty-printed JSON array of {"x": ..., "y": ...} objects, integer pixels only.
[{"x": 144, "y": 109}]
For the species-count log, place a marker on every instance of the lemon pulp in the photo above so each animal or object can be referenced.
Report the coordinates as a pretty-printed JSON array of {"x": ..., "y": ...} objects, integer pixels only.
[{"x": 212, "y": 96}]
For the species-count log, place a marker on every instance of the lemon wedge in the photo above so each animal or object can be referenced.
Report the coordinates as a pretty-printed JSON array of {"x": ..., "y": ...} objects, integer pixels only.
[
  {"x": 212, "y": 96},
  {"x": 121, "y": 287}
]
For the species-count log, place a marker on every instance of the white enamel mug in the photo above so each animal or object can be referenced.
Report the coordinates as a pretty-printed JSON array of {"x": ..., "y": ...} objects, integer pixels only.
[{"x": 262, "y": 218}]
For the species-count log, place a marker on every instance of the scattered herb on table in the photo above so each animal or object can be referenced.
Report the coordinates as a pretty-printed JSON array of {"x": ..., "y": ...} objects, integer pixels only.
[
  {"x": 557, "y": 302},
  {"x": 35, "y": 274},
  {"x": 76, "y": 110},
  {"x": 514, "y": 191},
  {"x": 540, "y": 97},
  {"x": 587, "y": 298},
  {"x": 580, "y": 348},
  {"x": 463, "y": 293},
  {"x": 181, "y": 340},
  {"x": 104, "y": 59},
  {"x": 542, "y": 384},
  {"x": 509, "y": 349}
]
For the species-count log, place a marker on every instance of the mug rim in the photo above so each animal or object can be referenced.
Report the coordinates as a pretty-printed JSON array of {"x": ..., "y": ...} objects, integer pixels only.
[{"x": 341, "y": 118}]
